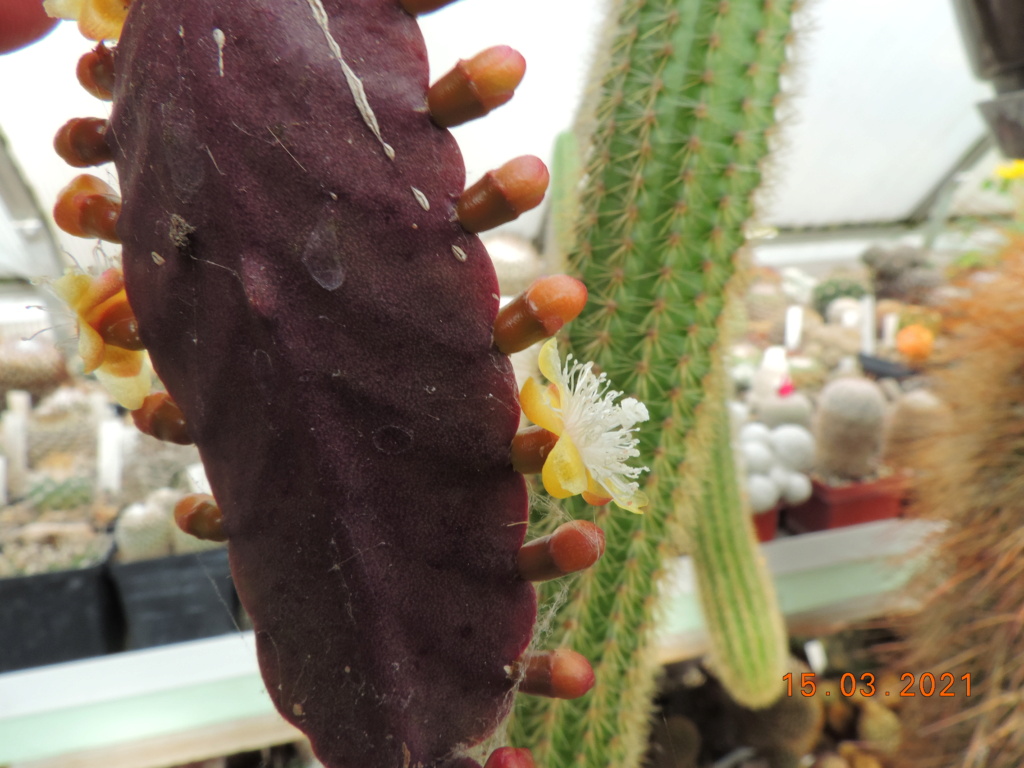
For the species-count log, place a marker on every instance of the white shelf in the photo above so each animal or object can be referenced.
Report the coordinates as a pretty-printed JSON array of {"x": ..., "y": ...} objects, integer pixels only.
[
  {"x": 823, "y": 580},
  {"x": 196, "y": 700}
]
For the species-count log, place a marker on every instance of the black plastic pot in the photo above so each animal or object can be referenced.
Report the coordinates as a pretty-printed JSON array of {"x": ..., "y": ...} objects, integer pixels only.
[
  {"x": 174, "y": 599},
  {"x": 54, "y": 617}
]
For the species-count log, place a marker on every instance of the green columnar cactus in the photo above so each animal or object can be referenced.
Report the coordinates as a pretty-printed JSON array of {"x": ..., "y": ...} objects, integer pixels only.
[
  {"x": 680, "y": 123},
  {"x": 748, "y": 638}
]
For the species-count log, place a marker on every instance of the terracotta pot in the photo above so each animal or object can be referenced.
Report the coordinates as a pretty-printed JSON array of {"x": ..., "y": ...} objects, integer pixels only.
[
  {"x": 22, "y": 22},
  {"x": 835, "y": 506},
  {"x": 766, "y": 524}
]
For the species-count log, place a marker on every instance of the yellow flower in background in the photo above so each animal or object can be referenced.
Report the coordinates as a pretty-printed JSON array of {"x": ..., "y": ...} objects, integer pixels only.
[
  {"x": 595, "y": 434},
  {"x": 1011, "y": 170},
  {"x": 102, "y": 313},
  {"x": 97, "y": 19}
]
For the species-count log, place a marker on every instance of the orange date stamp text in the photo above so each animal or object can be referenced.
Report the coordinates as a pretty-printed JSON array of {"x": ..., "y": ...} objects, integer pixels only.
[{"x": 944, "y": 684}]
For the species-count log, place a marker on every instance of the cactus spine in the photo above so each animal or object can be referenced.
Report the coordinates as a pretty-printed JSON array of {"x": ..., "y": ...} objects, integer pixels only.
[
  {"x": 969, "y": 477},
  {"x": 680, "y": 120}
]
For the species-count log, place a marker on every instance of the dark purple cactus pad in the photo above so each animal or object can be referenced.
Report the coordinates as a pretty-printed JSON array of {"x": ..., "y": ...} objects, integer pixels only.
[{"x": 325, "y": 326}]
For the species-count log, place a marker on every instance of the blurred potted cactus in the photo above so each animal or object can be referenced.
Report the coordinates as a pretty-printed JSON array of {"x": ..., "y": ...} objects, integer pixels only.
[
  {"x": 172, "y": 587},
  {"x": 56, "y": 600},
  {"x": 850, "y": 484},
  {"x": 776, "y": 462}
]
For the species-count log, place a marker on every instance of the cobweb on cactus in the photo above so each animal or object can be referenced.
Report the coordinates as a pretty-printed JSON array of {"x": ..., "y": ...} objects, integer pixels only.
[{"x": 546, "y": 514}]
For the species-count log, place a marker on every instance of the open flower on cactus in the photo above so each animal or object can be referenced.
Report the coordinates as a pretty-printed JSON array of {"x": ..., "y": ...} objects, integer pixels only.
[
  {"x": 108, "y": 339},
  {"x": 595, "y": 434}
]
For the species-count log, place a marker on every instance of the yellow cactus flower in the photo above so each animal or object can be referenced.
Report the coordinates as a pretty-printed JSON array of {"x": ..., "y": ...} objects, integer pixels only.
[
  {"x": 595, "y": 434},
  {"x": 97, "y": 19},
  {"x": 1011, "y": 170},
  {"x": 103, "y": 317}
]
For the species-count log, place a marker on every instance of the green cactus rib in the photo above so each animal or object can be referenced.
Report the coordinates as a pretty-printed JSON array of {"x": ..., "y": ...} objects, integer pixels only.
[
  {"x": 679, "y": 128},
  {"x": 565, "y": 172},
  {"x": 748, "y": 637}
]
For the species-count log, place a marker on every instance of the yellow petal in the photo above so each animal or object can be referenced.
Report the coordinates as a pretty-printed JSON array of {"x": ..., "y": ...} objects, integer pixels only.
[
  {"x": 90, "y": 347},
  {"x": 103, "y": 19},
  {"x": 125, "y": 363},
  {"x": 127, "y": 381},
  {"x": 535, "y": 401},
  {"x": 595, "y": 488},
  {"x": 100, "y": 289},
  {"x": 63, "y": 9},
  {"x": 634, "y": 501},
  {"x": 549, "y": 362},
  {"x": 71, "y": 287},
  {"x": 637, "y": 503},
  {"x": 564, "y": 474}
]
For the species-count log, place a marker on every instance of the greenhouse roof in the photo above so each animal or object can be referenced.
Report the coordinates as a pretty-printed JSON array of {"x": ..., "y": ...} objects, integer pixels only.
[{"x": 881, "y": 114}]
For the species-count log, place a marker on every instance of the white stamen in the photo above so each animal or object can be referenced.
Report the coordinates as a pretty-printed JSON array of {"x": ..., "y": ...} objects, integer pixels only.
[
  {"x": 600, "y": 429},
  {"x": 355, "y": 85}
]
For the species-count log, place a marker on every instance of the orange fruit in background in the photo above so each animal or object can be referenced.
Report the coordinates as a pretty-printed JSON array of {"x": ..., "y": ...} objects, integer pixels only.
[{"x": 915, "y": 342}]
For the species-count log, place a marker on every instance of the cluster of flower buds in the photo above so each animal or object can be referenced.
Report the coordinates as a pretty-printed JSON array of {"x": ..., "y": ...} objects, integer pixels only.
[{"x": 581, "y": 443}]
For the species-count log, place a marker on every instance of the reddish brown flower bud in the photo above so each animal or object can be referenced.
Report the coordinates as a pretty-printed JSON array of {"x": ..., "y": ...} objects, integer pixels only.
[
  {"x": 561, "y": 674},
  {"x": 507, "y": 757},
  {"x": 530, "y": 447},
  {"x": 198, "y": 515},
  {"x": 115, "y": 322},
  {"x": 475, "y": 87},
  {"x": 501, "y": 195},
  {"x": 82, "y": 141},
  {"x": 160, "y": 417},
  {"x": 572, "y": 547},
  {"x": 539, "y": 312},
  {"x": 88, "y": 207},
  {"x": 418, "y": 7},
  {"x": 96, "y": 72}
]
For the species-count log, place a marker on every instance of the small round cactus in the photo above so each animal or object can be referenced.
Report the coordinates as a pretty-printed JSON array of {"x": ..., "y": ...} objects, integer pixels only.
[
  {"x": 775, "y": 461},
  {"x": 142, "y": 532},
  {"x": 848, "y": 428},
  {"x": 916, "y": 416},
  {"x": 792, "y": 408},
  {"x": 794, "y": 447}
]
